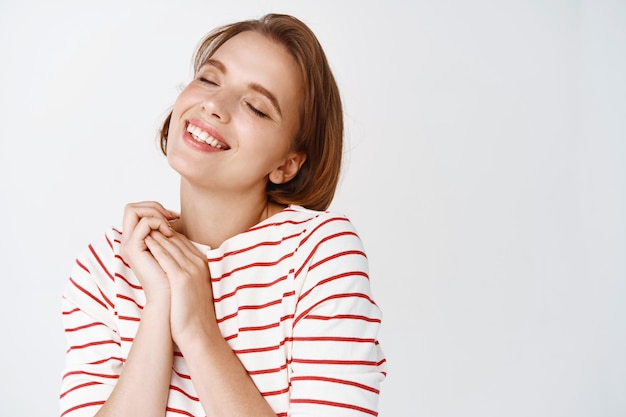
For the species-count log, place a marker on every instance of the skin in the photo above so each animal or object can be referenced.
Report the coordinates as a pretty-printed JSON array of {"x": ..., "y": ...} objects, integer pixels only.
[{"x": 157, "y": 244}]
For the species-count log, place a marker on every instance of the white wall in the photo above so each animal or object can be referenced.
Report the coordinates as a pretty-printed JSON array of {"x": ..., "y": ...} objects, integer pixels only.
[{"x": 486, "y": 174}]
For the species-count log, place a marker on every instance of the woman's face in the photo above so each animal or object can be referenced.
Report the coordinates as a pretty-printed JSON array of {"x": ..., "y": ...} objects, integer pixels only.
[{"x": 234, "y": 124}]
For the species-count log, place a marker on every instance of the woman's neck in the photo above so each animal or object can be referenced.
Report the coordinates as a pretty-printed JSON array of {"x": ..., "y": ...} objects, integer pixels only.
[{"x": 211, "y": 218}]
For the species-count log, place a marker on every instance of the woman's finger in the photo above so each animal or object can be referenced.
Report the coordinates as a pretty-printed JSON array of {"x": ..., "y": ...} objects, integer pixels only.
[
  {"x": 161, "y": 249},
  {"x": 185, "y": 255},
  {"x": 133, "y": 242},
  {"x": 134, "y": 212}
]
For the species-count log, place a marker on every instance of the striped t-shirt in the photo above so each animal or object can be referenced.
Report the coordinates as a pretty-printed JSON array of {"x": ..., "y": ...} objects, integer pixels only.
[{"x": 292, "y": 299}]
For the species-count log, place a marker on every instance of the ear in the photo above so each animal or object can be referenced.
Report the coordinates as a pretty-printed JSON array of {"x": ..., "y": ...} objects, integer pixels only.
[{"x": 288, "y": 169}]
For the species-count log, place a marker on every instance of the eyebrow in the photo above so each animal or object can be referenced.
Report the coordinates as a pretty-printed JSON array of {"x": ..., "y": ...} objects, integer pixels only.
[{"x": 253, "y": 86}]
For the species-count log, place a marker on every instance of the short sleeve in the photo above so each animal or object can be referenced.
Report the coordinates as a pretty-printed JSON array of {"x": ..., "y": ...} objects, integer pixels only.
[
  {"x": 337, "y": 364},
  {"x": 93, "y": 357}
]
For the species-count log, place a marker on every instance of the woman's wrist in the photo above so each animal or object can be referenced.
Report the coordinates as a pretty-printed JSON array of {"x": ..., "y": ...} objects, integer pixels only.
[
  {"x": 203, "y": 339},
  {"x": 157, "y": 307}
]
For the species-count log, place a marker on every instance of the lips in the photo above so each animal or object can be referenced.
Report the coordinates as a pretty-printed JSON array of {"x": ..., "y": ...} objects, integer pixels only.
[{"x": 206, "y": 135}]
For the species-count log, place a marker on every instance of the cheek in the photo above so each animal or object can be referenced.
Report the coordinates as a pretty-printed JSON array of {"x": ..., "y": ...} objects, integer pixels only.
[
  {"x": 173, "y": 131},
  {"x": 273, "y": 143},
  {"x": 183, "y": 101}
]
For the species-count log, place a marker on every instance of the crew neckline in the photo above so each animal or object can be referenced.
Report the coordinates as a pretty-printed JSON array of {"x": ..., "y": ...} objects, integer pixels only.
[{"x": 206, "y": 248}]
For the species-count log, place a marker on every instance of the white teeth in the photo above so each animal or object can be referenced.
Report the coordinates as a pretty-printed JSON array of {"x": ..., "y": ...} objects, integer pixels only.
[{"x": 202, "y": 136}]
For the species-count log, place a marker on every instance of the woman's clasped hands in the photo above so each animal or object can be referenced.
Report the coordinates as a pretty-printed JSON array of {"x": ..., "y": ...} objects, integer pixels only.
[{"x": 174, "y": 274}]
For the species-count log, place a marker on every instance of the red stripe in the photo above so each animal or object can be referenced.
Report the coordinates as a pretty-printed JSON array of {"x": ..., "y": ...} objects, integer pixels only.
[
  {"x": 319, "y": 226},
  {"x": 86, "y": 384},
  {"x": 123, "y": 278},
  {"x": 333, "y": 278},
  {"x": 343, "y": 317},
  {"x": 332, "y": 297},
  {"x": 334, "y": 404},
  {"x": 337, "y": 255},
  {"x": 266, "y": 243},
  {"x": 260, "y": 306},
  {"x": 83, "y": 266},
  {"x": 266, "y": 326},
  {"x": 118, "y": 256},
  {"x": 333, "y": 339},
  {"x": 176, "y": 410},
  {"x": 267, "y": 371},
  {"x": 71, "y": 311},
  {"x": 335, "y": 381},
  {"x": 264, "y": 349},
  {"x": 261, "y": 349},
  {"x": 294, "y": 222},
  {"x": 106, "y": 299},
  {"x": 101, "y": 361},
  {"x": 252, "y": 265},
  {"x": 109, "y": 242},
  {"x": 128, "y": 318},
  {"x": 93, "y": 251},
  {"x": 334, "y": 362},
  {"x": 247, "y": 286},
  {"x": 249, "y": 307},
  {"x": 325, "y": 239},
  {"x": 191, "y": 397},
  {"x": 85, "y": 326},
  {"x": 91, "y": 374},
  {"x": 76, "y": 407},
  {"x": 96, "y": 299},
  {"x": 278, "y": 392},
  {"x": 98, "y": 343},
  {"x": 256, "y": 328},
  {"x": 132, "y": 300},
  {"x": 184, "y": 376}
]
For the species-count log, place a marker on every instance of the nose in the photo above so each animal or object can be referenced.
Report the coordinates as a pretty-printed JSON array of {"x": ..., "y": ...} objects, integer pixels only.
[{"x": 218, "y": 105}]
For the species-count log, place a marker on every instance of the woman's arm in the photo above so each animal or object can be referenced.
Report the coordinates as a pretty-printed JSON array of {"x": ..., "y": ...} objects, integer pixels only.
[
  {"x": 211, "y": 359},
  {"x": 337, "y": 365},
  {"x": 223, "y": 385},
  {"x": 96, "y": 370},
  {"x": 143, "y": 386}
]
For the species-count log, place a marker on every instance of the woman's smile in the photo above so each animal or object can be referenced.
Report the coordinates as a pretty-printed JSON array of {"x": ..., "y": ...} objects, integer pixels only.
[
  {"x": 244, "y": 102},
  {"x": 204, "y": 134}
]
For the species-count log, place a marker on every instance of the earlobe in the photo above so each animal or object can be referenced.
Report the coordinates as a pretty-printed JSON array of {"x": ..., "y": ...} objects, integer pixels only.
[{"x": 287, "y": 170}]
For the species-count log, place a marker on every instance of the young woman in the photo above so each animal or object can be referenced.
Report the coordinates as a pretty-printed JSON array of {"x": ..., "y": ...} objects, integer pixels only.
[{"x": 254, "y": 300}]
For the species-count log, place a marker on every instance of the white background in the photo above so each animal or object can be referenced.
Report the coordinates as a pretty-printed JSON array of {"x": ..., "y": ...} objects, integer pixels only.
[{"x": 486, "y": 173}]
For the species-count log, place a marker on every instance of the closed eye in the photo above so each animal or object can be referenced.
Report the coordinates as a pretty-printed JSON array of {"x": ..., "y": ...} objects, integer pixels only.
[
  {"x": 206, "y": 81},
  {"x": 256, "y": 111}
]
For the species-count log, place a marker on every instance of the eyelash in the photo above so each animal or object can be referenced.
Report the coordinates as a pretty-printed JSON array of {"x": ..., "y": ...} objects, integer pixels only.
[
  {"x": 206, "y": 81},
  {"x": 256, "y": 111}
]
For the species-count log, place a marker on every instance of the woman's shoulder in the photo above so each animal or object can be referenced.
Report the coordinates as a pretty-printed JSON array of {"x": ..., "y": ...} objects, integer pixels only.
[
  {"x": 95, "y": 267},
  {"x": 294, "y": 225},
  {"x": 104, "y": 244},
  {"x": 318, "y": 226},
  {"x": 307, "y": 220}
]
